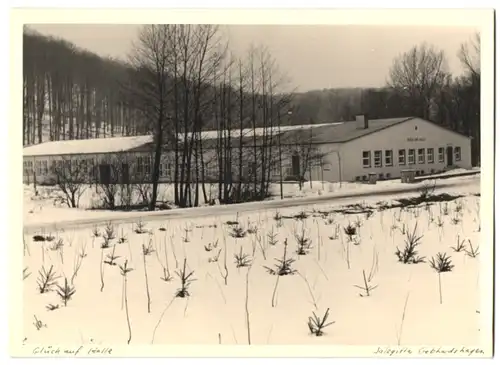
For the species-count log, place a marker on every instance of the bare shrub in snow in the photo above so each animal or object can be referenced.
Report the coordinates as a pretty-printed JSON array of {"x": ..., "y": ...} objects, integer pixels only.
[
  {"x": 439, "y": 222},
  {"x": 444, "y": 208},
  {"x": 186, "y": 280},
  {"x": 252, "y": 228},
  {"x": 302, "y": 215},
  {"x": 472, "y": 252},
  {"x": 225, "y": 273},
  {"x": 336, "y": 232},
  {"x": 367, "y": 288},
  {"x": 140, "y": 227},
  {"x": 65, "y": 292},
  {"x": 187, "y": 230},
  {"x": 272, "y": 238},
  {"x": 427, "y": 189},
  {"x": 358, "y": 223},
  {"x": 278, "y": 218},
  {"x": 124, "y": 270},
  {"x": 146, "y": 251},
  {"x": 216, "y": 257},
  {"x": 111, "y": 258},
  {"x": 106, "y": 242},
  {"x": 284, "y": 266},
  {"x": 329, "y": 219},
  {"x": 263, "y": 246},
  {"x": 46, "y": 279},
  {"x": 109, "y": 232},
  {"x": 211, "y": 246},
  {"x": 318, "y": 324},
  {"x": 441, "y": 264},
  {"x": 460, "y": 246},
  {"x": 56, "y": 246},
  {"x": 304, "y": 243},
  {"x": 122, "y": 238},
  {"x": 242, "y": 259},
  {"x": 409, "y": 254},
  {"x": 350, "y": 231},
  {"x": 166, "y": 270},
  {"x": 71, "y": 178},
  {"x": 237, "y": 231},
  {"x": 77, "y": 264}
]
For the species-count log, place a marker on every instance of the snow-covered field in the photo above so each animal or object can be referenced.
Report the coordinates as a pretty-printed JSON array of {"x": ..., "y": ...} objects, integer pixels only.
[{"x": 226, "y": 304}]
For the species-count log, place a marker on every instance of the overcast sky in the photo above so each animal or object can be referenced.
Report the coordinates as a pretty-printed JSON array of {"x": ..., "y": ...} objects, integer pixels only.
[{"x": 313, "y": 56}]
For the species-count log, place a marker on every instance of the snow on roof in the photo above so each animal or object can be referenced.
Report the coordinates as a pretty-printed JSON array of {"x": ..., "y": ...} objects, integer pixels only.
[
  {"x": 119, "y": 144},
  {"x": 87, "y": 146},
  {"x": 259, "y": 132}
]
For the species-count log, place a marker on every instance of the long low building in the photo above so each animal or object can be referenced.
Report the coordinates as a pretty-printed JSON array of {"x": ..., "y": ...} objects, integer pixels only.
[{"x": 347, "y": 151}]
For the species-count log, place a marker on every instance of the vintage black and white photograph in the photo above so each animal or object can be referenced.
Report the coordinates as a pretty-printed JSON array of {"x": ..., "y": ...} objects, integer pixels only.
[{"x": 255, "y": 184}]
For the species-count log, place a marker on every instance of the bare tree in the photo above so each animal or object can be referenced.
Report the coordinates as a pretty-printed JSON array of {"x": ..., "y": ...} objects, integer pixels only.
[
  {"x": 417, "y": 75},
  {"x": 470, "y": 55},
  {"x": 72, "y": 177},
  {"x": 152, "y": 87}
]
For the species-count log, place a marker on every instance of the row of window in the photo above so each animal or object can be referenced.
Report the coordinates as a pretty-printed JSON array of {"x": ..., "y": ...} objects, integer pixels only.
[
  {"x": 143, "y": 166},
  {"x": 424, "y": 155}
]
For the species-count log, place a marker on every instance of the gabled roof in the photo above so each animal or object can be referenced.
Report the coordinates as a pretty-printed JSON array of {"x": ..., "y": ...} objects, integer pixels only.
[
  {"x": 341, "y": 132},
  {"x": 87, "y": 146},
  {"x": 313, "y": 134}
]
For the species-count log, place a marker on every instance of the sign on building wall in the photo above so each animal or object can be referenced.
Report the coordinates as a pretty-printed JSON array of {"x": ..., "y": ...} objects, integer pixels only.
[{"x": 415, "y": 139}]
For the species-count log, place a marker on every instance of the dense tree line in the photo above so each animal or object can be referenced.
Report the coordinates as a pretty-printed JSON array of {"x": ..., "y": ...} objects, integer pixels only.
[{"x": 70, "y": 93}]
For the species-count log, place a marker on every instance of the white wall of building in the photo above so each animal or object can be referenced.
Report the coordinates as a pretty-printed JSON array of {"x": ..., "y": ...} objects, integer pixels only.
[{"x": 414, "y": 134}]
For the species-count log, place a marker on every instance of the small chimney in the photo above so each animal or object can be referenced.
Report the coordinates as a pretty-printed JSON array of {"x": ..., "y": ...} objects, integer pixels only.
[{"x": 362, "y": 121}]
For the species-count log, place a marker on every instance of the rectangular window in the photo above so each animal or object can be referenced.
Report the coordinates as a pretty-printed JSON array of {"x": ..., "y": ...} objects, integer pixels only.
[
  {"x": 366, "y": 159},
  {"x": 388, "y": 157},
  {"x": 402, "y": 157},
  {"x": 377, "y": 159},
  {"x": 45, "y": 167},
  {"x": 430, "y": 155},
  {"x": 411, "y": 156},
  {"x": 421, "y": 155},
  {"x": 147, "y": 165},
  {"x": 83, "y": 167},
  {"x": 441, "y": 154},
  {"x": 67, "y": 167},
  {"x": 38, "y": 167},
  {"x": 276, "y": 168},
  {"x": 458, "y": 153},
  {"x": 164, "y": 169},
  {"x": 90, "y": 166},
  {"x": 59, "y": 167},
  {"x": 140, "y": 165}
]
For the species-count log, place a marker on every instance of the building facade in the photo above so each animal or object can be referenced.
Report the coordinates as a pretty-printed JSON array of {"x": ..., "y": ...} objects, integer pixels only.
[{"x": 348, "y": 151}]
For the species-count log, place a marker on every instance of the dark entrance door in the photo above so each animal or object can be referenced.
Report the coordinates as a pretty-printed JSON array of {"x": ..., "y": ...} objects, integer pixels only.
[
  {"x": 296, "y": 166},
  {"x": 449, "y": 156},
  {"x": 105, "y": 174}
]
